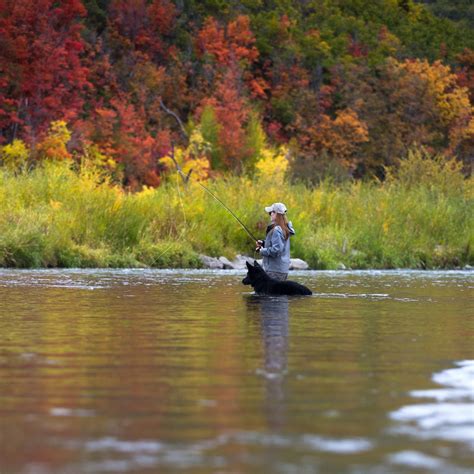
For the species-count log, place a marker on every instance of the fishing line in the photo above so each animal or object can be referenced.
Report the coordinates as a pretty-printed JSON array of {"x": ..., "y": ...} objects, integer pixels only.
[{"x": 186, "y": 179}]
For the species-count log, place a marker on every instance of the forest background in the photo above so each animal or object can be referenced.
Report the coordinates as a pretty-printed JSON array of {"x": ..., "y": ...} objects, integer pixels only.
[{"x": 357, "y": 114}]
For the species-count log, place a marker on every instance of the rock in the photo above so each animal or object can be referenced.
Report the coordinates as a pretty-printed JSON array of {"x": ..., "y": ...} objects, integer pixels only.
[
  {"x": 468, "y": 267},
  {"x": 239, "y": 262},
  {"x": 298, "y": 264},
  {"x": 211, "y": 262},
  {"x": 228, "y": 265},
  {"x": 341, "y": 266}
]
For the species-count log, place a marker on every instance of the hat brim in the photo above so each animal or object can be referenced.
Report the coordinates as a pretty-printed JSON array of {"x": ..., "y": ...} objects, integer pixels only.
[{"x": 269, "y": 209}]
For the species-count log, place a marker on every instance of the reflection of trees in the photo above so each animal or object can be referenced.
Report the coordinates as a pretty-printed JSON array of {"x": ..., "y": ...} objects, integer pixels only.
[{"x": 272, "y": 315}]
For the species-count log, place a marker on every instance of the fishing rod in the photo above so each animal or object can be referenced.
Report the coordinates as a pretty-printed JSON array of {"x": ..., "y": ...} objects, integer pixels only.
[{"x": 186, "y": 180}]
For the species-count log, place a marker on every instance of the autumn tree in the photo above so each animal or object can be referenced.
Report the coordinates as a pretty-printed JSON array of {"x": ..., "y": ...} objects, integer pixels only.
[
  {"x": 42, "y": 78},
  {"x": 141, "y": 26},
  {"x": 126, "y": 119},
  {"x": 328, "y": 146},
  {"x": 120, "y": 133},
  {"x": 328, "y": 81},
  {"x": 235, "y": 42},
  {"x": 465, "y": 71},
  {"x": 231, "y": 116},
  {"x": 219, "y": 47}
]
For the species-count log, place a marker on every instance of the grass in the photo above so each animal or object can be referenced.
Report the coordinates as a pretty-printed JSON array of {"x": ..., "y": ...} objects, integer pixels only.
[{"x": 55, "y": 217}]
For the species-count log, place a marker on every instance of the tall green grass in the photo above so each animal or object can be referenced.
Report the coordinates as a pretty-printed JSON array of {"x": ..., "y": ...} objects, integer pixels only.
[{"x": 55, "y": 217}]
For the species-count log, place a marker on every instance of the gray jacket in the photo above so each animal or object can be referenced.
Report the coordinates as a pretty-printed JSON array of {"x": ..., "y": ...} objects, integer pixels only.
[{"x": 276, "y": 250}]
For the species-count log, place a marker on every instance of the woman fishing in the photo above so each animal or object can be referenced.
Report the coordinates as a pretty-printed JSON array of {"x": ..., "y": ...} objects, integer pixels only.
[{"x": 276, "y": 248}]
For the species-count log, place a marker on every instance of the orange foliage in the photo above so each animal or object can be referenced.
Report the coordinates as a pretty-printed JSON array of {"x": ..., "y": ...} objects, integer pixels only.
[
  {"x": 338, "y": 137},
  {"x": 236, "y": 42},
  {"x": 341, "y": 136},
  {"x": 53, "y": 145}
]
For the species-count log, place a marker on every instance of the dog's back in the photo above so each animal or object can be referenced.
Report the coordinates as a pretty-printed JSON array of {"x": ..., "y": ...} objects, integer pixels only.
[
  {"x": 288, "y": 288},
  {"x": 262, "y": 283}
]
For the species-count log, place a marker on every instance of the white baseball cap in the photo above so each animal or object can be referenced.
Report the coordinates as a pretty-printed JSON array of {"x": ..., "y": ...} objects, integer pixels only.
[{"x": 278, "y": 207}]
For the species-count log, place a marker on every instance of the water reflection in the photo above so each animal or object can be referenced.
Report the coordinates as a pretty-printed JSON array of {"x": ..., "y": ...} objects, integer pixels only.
[
  {"x": 163, "y": 371},
  {"x": 270, "y": 315}
]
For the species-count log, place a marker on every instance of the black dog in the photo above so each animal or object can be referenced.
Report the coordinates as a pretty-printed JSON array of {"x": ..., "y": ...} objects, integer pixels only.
[{"x": 263, "y": 284}]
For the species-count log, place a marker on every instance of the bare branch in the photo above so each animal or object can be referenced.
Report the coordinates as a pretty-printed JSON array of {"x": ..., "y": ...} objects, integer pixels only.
[
  {"x": 178, "y": 168},
  {"x": 175, "y": 116}
]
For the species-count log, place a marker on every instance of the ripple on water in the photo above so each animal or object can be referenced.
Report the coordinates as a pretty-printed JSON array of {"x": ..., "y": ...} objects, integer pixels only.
[
  {"x": 416, "y": 459},
  {"x": 93, "y": 279},
  {"x": 451, "y": 416},
  {"x": 138, "y": 453},
  {"x": 90, "y": 279}
]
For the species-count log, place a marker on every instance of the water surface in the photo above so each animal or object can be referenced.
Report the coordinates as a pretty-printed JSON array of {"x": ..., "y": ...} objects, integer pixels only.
[{"x": 170, "y": 371}]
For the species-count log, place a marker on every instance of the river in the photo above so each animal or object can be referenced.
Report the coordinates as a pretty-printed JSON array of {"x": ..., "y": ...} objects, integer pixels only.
[{"x": 149, "y": 371}]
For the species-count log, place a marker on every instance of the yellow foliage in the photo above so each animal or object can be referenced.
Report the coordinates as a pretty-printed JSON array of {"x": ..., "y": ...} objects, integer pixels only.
[
  {"x": 117, "y": 203},
  {"x": 15, "y": 155},
  {"x": 53, "y": 146},
  {"x": 452, "y": 100},
  {"x": 272, "y": 165},
  {"x": 197, "y": 144},
  {"x": 193, "y": 158},
  {"x": 145, "y": 191},
  {"x": 55, "y": 204},
  {"x": 96, "y": 163}
]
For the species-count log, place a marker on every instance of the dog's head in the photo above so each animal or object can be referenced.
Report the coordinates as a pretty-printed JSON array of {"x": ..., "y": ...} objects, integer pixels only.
[{"x": 253, "y": 271}]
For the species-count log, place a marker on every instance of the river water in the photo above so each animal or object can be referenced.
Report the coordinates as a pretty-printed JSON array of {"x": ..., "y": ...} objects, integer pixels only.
[{"x": 188, "y": 371}]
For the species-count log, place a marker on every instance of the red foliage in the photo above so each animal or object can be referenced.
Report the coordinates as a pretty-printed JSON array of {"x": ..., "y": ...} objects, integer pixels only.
[
  {"x": 232, "y": 114},
  {"x": 162, "y": 15},
  {"x": 121, "y": 133},
  {"x": 42, "y": 75},
  {"x": 325, "y": 97},
  {"x": 274, "y": 131},
  {"x": 356, "y": 48},
  {"x": 465, "y": 72},
  {"x": 135, "y": 24},
  {"x": 143, "y": 74},
  {"x": 225, "y": 45}
]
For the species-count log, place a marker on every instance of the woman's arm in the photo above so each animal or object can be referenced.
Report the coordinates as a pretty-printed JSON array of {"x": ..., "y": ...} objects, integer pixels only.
[{"x": 277, "y": 244}]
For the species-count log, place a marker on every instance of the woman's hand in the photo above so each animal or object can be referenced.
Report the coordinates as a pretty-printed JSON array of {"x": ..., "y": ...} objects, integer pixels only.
[{"x": 258, "y": 245}]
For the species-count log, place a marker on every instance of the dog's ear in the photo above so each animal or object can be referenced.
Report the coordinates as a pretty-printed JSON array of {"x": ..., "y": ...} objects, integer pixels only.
[
  {"x": 248, "y": 265},
  {"x": 256, "y": 264}
]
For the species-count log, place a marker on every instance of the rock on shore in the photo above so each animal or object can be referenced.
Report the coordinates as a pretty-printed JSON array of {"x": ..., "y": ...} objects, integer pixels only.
[{"x": 222, "y": 263}]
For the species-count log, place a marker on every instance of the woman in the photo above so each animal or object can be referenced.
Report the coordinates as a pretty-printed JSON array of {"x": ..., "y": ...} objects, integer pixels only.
[{"x": 276, "y": 248}]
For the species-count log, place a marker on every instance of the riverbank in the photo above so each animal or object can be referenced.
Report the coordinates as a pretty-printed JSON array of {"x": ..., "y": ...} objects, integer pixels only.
[{"x": 56, "y": 217}]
